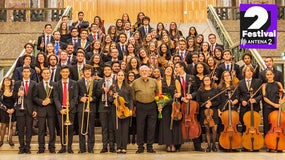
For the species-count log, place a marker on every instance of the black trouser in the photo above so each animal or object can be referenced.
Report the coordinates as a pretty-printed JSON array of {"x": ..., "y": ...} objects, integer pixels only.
[
  {"x": 25, "y": 123},
  {"x": 70, "y": 130},
  {"x": 122, "y": 133},
  {"x": 90, "y": 130},
  {"x": 107, "y": 120},
  {"x": 266, "y": 111},
  {"x": 146, "y": 112},
  {"x": 42, "y": 130}
]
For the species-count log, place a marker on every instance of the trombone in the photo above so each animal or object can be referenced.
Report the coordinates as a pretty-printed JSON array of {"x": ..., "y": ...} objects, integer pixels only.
[
  {"x": 66, "y": 123},
  {"x": 87, "y": 110}
]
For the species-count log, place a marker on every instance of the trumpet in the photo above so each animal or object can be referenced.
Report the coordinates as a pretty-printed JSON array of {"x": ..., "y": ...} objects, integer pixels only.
[
  {"x": 87, "y": 110},
  {"x": 21, "y": 98},
  {"x": 104, "y": 95},
  {"x": 66, "y": 123}
]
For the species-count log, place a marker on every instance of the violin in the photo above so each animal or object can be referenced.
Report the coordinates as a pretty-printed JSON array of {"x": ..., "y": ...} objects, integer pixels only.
[
  {"x": 233, "y": 73},
  {"x": 191, "y": 127},
  {"x": 176, "y": 114},
  {"x": 275, "y": 137},
  {"x": 122, "y": 111},
  {"x": 252, "y": 139},
  {"x": 230, "y": 137}
]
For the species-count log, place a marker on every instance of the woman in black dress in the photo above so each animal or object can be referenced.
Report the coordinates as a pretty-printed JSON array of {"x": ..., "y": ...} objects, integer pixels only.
[
  {"x": 205, "y": 92},
  {"x": 121, "y": 88},
  {"x": 7, "y": 112},
  {"x": 171, "y": 138}
]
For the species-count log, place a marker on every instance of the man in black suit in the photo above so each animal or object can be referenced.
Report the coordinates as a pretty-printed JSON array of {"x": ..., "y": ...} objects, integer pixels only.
[
  {"x": 96, "y": 34},
  {"x": 270, "y": 65},
  {"x": 29, "y": 49},
  {"x": 74, "y": 38},
  {"x": 83, "y": 41},
  {"x": 86, "y": 98},
  {"x": 127, "y": 29},
  {"x": 80, "y": 23},
  {"x": 46, "y": 111},
  {"x": 76, "y": 69},
  {"x": 122, "y": 45},
  {"x": 27, "y": 59},
  {"x": 244, "y": 87},
  {"x": 183, "y": 52},
  {"x": 114, "y": 56},
  {"x": 145, "y": 28},
  {"x": 58, "y": 45},
  {"x": 45, "y": 38},
  {"x": 184, "y": 80},
  {"x": 65, "y": 95},
  {"x": 247, "y": 59},
  {"x": 26, "y": 111},
  {"x": 71, "y": 58},
  {"x": 213, "y": 42},
  {"x": 228, "y": 65},
  {"x": 54, "y": 68},
  {"x": 106, "y": 110},
  {"x": 191, "y": 67}
]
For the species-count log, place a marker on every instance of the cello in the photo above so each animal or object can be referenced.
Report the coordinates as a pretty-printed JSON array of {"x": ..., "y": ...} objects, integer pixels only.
[
  {"x": 275, "y": 137},
  {"x": 230, "y": 137},
  {"x": 252, "y": 139},
  {"x": 191, "y": 127}
]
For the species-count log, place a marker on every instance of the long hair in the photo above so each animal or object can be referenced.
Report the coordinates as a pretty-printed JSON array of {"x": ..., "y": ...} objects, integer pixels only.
[
  {"x": 11, "y": 83},
  {"x": 202, "y": 86},
  {"x": 222, "y": 84}
]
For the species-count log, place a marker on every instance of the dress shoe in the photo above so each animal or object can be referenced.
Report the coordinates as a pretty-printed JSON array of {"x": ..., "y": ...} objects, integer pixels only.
[
  {"x": 214, "y": 148},
  {"x": 244, "y": 150},
  {"x": 1, "y": 143},
  {"x": 40, "y": 151},
  {"x": 28, "y": 151},
  {"x": 279, "y": 151},
  {"x": 51, "y": 151},
  {"x": 11, "y": 143},
  {"x": 112, "y": 150},
  {"x": 91, "y": 151},
  {"x": 70, "y": 151},
  {"x": 21, "y": 151},
  {"x": 151, "y": 151},
  {"x": 208, "y": 149},
  {"x": 62, "y": 150},
  {"x": 139, "y": 151},
  {"x": 104, "y": 150},
  {"x": 81, "y": 151}
]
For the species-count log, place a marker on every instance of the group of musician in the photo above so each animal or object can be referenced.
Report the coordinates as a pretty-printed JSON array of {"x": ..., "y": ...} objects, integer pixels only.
[{"x": 82, "y": 71}]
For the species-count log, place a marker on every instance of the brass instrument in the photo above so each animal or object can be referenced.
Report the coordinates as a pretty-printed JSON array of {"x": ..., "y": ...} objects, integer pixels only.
[
  {"x": 87, "y": 110},
  {"x": 66, "y": 123},
  {"x": 49, "y": 91},
  {"x": 104, "y": 95},
  {"x": 21, "y": 99}
]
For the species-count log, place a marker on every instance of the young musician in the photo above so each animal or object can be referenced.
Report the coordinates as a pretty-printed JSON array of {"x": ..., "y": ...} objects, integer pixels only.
[
  {"x": 122, "y": 90},
  {"x": 46, "y": 111},
  {"x": 172, "y": 138},
  {"x": 271, "y": 99},
  {"x": 206, "y": 92},
  {"x": 86, "y": 106},
  {"x": 106, "y": 110},
  {"x": 65, "y": 95},
  {"x": 7, "y": 110},
  {"x": 26, "y": 111}
]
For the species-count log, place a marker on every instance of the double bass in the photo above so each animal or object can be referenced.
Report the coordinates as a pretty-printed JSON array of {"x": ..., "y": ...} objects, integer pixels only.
[
  {"x": 275, "y": 137},
  {"x": 252, "y": 139},
  {"x": 230, "y": 137},
  {"x": 191, "y": 127}
]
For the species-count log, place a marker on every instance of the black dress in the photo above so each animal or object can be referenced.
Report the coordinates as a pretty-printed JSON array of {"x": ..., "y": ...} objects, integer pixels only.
[
  {"x": 9, "y": 103},
  {"x": 167, "y": 136},
  {"x": 202, "y": 97}
]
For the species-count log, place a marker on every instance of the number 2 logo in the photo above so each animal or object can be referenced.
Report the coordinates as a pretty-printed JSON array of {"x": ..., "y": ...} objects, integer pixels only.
[{"x": 262, "y": 16}]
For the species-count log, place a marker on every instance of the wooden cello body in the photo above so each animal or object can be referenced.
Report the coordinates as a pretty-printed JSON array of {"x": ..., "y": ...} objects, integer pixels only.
[{"x": 230, "y": 137}]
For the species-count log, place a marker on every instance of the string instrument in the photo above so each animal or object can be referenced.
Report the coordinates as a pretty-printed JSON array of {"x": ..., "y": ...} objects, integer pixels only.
[
  {"x": 213, "y": 74},
  {"x": 252, "y": 139},
  {"x": 176, "y": 114},
  {"x": 122, "y": 110},
  {"x": 233, "y": 73},
  {"x": 230, "y": 137},
  {"x": 191, "y": 127},
  {"x": 275, "y": 137}
]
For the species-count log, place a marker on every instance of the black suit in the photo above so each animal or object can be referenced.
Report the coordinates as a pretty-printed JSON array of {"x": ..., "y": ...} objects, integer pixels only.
[
  {"x": 73, "y": 97},
  {"x": 45, "y": 113},
  {"x": 75, "y": 44},
  {"x": 56, "y": 75},
  {"x": 222, "y": 68},
  {"x": 256, "y": 69},
  {"x": 74, "y": 72},
  {"x": 41, "y": 39},
  {"x": 142, "y": 31},
  {"x": 18, "y": 74},
  {"x": 84, "y": 91},
  {"x": 244, "y": 95},
  {"x": 86, "y": 46},
  {"x": 122, "y": 51},
  {"x": 24, "y": 117},
  {"x": 20, "y": 62},
  {"x": 277, "y": 76}
]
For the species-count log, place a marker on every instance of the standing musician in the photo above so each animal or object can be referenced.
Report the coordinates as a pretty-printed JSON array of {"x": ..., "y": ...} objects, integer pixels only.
[
  {"x": 123, "y": 101},
  {"x": 65, "y": 95},
  {"x": 270, "y": 66},
  {"x": 86, "y": 106},
  {"x": 226, "y": 83},
  {"x": 26, "y": 111},
  {"x": 144, "y": 90},
  {"x": 243, "y": 89},
  {"x": 169, "y": 135},
  {"x": 247, "y": 59},
  {"x": 106, "y": 110},
  {"x": 184, "y": 80},
  {"x": 7, "y": 110},
  {"x": 46, "y": 111},
  {"x": 271, "y": 99},
  {"x": 209, "y": 112}
]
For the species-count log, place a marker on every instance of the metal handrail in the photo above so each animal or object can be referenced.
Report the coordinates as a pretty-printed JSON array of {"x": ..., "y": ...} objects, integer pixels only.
[{"x": 12, "y": 68}]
